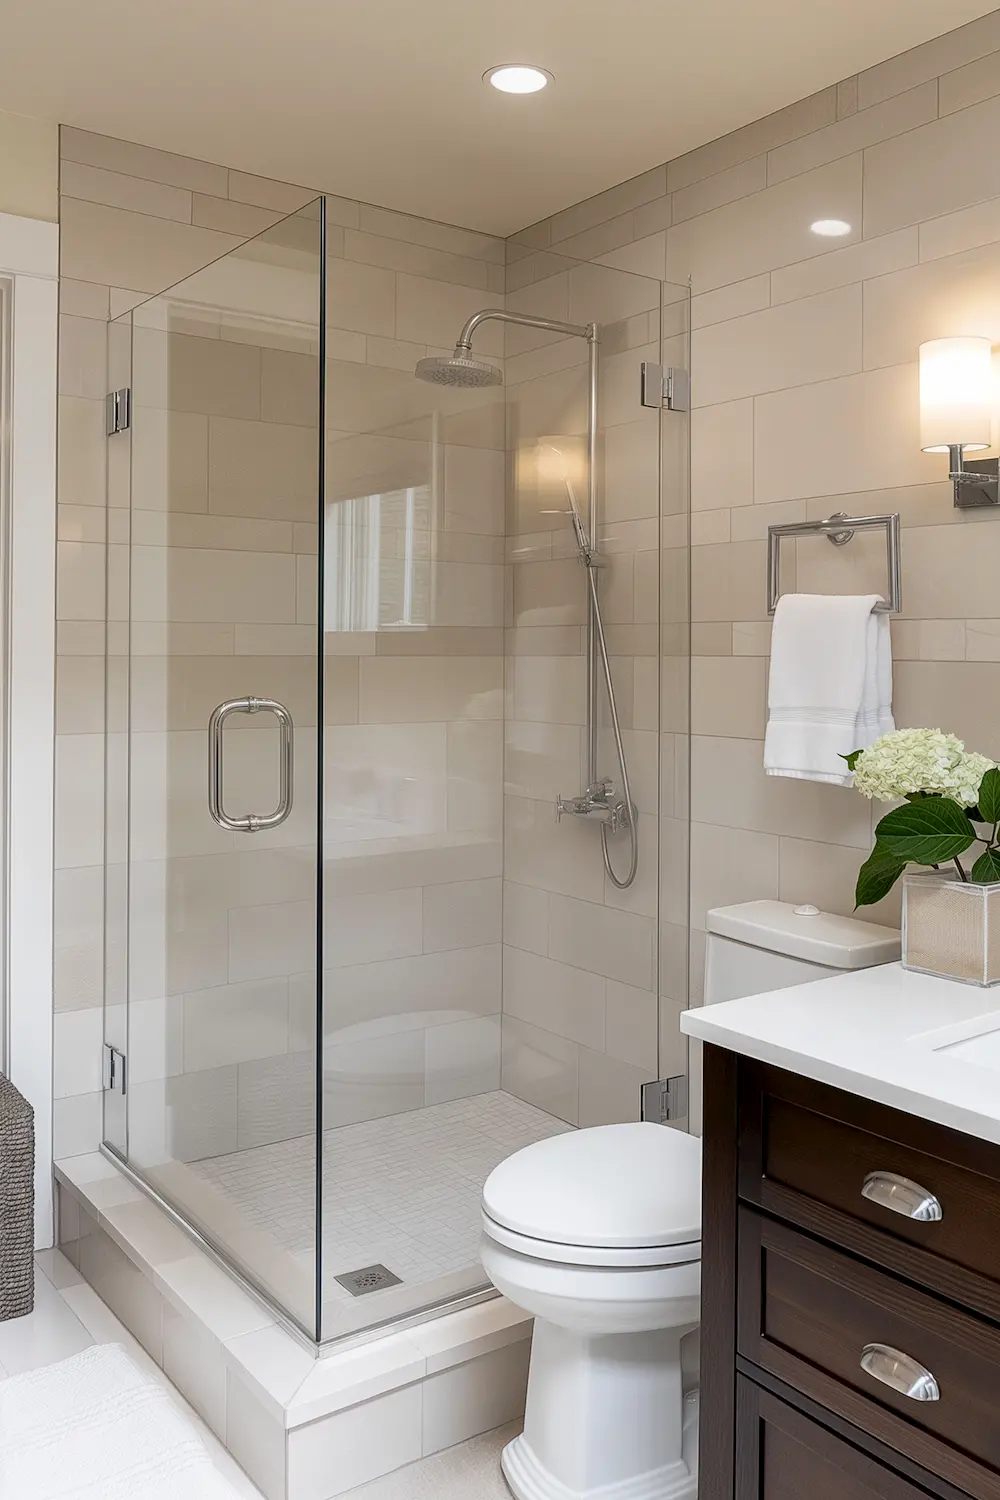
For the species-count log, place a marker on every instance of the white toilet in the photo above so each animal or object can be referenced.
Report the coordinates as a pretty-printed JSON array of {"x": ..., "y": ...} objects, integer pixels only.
[{"x": 597, "y": 1234}]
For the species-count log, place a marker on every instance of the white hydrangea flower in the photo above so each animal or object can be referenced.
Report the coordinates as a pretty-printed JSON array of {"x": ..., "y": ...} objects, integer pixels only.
[{"x": 920, "y": 760}]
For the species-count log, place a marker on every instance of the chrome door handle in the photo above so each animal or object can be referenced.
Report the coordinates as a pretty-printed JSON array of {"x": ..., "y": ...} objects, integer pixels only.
[
  {"x": 252, "y": 822},
  {"x": 900, "y": 1372},
  {"x": 901, "y": 1196}
]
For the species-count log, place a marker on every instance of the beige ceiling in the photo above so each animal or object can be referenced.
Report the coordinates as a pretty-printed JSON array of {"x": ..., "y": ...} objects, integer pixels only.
[{"x": 383, "y": 99}]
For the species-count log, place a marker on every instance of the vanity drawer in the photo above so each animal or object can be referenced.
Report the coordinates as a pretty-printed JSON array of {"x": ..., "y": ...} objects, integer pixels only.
[
  {"x": 783, "y": 1455},
  {"x": 854, "y": 1340},
  {"x": 803, "y": 1143}
]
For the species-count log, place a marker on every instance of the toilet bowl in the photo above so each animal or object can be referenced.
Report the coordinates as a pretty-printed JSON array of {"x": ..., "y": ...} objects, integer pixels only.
[
  {"x": 597, "y": 1233},
  {"x": 612, "y": 1272}
]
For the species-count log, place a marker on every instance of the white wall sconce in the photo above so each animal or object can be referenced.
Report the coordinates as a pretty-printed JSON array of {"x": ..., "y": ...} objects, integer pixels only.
[{"x": 958, "y": 403}]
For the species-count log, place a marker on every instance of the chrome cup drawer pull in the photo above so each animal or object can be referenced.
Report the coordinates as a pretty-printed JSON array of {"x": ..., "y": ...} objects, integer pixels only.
[
  {"x": 900, "y": 1372},
  {"x": 901, "y": 1196}
]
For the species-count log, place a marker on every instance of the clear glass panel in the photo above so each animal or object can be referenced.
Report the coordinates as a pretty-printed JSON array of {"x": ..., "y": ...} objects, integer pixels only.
[
  {"x": 465, "y": 1017},
  {"x": 222, "y": 561}
]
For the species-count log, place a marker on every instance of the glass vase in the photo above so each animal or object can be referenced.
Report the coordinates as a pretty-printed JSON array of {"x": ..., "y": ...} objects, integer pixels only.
[{"x": 951, "y": 928}]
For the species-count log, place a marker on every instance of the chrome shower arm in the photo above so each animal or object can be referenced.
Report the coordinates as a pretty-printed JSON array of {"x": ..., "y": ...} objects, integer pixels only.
[{"x": 525, "y": 320}]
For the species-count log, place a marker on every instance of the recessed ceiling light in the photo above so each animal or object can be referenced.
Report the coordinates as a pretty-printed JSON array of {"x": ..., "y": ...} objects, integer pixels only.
[
  {"x": 517, "y": 78},
  {"x": 831, "y": 228}
]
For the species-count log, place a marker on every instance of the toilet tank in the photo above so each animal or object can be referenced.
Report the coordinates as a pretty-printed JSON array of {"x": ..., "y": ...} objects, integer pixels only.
[{"x": 769, "y": 945}]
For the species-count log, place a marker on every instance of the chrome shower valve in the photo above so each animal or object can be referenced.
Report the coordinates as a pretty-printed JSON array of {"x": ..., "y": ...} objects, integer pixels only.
[{"x": 598, "y": 803}]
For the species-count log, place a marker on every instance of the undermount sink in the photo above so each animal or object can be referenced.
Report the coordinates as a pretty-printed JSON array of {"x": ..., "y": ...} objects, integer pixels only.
[{"x": 976, "y": 1041}]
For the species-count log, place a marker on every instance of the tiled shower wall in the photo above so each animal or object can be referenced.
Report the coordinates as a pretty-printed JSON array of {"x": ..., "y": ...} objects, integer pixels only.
[
  {"x": 804, "y": 359},
  {"x": 581, "y": 958},
  {"x": 413, "y": 926}
]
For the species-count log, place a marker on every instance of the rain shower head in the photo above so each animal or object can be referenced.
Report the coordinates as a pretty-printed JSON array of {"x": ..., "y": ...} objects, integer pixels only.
[{"x": 460, "y": 369}]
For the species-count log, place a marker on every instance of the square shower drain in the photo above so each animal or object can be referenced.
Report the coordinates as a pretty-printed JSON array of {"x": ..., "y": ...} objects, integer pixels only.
[{"x": 368, "y": 1279}]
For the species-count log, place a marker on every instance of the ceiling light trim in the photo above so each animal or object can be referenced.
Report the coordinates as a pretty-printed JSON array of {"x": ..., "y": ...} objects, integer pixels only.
[{"x": 518, "y": 78}]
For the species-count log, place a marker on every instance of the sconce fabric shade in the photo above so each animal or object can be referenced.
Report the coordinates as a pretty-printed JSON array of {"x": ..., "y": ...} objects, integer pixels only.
[{"x": 956, "y": 394}]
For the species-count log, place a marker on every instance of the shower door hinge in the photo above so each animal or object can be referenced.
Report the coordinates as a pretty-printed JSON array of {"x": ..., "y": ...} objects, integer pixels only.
[
  {"x": 118, "y": 411},
  {"x": 114, "y": 1070},
  {"x": 665, "y": 1100},
  {"x": 668, "y": 387}
]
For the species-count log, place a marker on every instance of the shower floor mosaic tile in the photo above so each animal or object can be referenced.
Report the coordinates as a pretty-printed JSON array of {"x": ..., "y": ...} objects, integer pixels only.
[{"x": 402, "y": 1191}]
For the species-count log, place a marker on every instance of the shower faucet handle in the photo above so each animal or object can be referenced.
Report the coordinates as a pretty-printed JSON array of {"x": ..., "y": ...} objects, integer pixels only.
[{"x": 595, "y": 802}]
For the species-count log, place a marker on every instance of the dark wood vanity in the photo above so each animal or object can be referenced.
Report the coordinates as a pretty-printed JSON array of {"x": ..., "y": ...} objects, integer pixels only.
[{"x": 850, "y": 1296}]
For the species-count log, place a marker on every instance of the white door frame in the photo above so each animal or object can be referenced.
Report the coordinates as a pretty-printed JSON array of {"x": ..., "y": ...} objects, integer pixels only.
[{"x": 29, "y": 255}]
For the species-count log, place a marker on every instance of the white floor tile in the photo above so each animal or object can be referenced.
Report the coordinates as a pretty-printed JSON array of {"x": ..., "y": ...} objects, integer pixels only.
[
  {"x": 64, "y": 1322},
  {"x": 402, "y": 1191},
  {"x": 470, "y": 1471},
  {"x": 52, "y": 1332}
]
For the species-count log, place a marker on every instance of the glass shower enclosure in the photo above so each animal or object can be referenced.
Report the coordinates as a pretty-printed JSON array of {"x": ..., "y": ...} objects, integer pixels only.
[{"x": 350, "y": 665}]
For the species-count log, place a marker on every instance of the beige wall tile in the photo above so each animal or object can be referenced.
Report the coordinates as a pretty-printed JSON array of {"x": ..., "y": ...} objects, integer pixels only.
[
  {"x": 137, "y": 194},
  {"x": 733, "y": 301},
  {"x": 540, "y": 1067},
  {"x": 525, "y": 917},
  {"x": 767, "y": 230},
  {"x": 631, "y": 1029},
  {"x": 841, "y": 436},
  {"x": 559, "y": 997},
  {"x": 642, "y": 257},
  {"x": 414, "y": 690},
  {"x": 608, "y": 205},
  {"x": 600, "y": 940},
  {"x": 446, "y": 237},
  {"x": 972, "y": 84},
  {"x": 558, "y": 858},
  {"x": 763, "y": 135},
  {"x": 890, "y": 252},
  {"x": 826, "y": 875},
  {"x": 187, "y": 584},
  {"x": 728, "y": 696},
  {"x": 709, "y": 526},
  {"x": 982, "y": 640},
  {"x": 964, "y": 230},
  {"x": 232, "y": 218},
  {"x": 141, "y": 161},
  {"x": 723, "y": 187},
  {"x": 361, "y": 298},
  {"x": 432, "y": 312},
  {"x": 418, "y": 260},
  {"x": 847, "y": 97},
  {"x": 722, "y": 455},
  {"x": 609, "y": 1089},
  {"x": 466, "y": 914},
  {"x": 929, "y": 301},
  {"x": 921, "y": 63},
  {"x": 265, "y": 193},
  {"x": 894, "y": 117},
  {"x": 728, "y": 786},
  {"x": 931, "y": 640},
  {"x": 262, "y": 469},
  {"x": 728, "y": 581},
  {"x": 814, "y": 339},
  {"x": 730, "y": 865},
  {"x": 958, "y": 695},
  {"x": 933, "y": 170},
  {"x": 135, "y": 251},
  {"x": 549, "y": 689}
]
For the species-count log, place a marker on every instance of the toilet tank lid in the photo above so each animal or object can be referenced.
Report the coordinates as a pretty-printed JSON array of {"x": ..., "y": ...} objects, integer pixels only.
[{"x": 808, "y": 933}]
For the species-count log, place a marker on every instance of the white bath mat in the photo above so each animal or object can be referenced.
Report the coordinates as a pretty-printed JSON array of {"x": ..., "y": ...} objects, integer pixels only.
[{"x": 93, "y": 1427}]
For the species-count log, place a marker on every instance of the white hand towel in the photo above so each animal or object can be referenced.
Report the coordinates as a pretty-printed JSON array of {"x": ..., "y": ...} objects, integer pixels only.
[{"x": 830, "y": 689}]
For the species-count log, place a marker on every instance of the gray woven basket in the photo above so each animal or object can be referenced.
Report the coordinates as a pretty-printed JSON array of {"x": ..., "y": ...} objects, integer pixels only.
[{"x": 17, "y": 1203}]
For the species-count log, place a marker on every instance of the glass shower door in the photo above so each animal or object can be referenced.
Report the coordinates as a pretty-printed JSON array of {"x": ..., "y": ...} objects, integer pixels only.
[{"x": 213, "y": 755}]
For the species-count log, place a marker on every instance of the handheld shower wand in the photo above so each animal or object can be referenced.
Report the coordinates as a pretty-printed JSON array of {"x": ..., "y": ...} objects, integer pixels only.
[{"x": 596, "y": 801}]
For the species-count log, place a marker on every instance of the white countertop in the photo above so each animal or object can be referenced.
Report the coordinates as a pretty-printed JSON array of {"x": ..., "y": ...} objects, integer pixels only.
[{"x": 874, "y": 1032}]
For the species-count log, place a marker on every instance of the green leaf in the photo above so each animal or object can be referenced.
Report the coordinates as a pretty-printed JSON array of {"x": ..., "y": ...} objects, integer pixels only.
[
  {"x": 851, "y": 759},
  {"x": 929, "y": 832},
  {"x": 877, "y": 876},
  {"x": 986, "y": 870},
  {"x": 989, "y": 796}
]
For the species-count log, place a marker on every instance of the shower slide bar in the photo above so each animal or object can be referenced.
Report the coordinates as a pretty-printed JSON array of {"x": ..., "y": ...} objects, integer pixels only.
[{"x": 251, "y": 822}]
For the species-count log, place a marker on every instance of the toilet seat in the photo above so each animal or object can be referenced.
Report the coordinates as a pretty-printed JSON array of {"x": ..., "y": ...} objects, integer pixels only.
[
  {"x": 627, "y": 1195},
  {"x": 633, "y": 1257}
]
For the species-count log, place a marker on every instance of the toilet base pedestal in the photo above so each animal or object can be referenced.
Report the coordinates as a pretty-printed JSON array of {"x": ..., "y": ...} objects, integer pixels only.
[{"x": 605, "y": 1419}]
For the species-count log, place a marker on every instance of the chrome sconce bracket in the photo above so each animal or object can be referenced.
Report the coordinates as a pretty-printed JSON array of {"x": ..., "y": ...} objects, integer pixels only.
[{"x": 977, "y": 483}]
